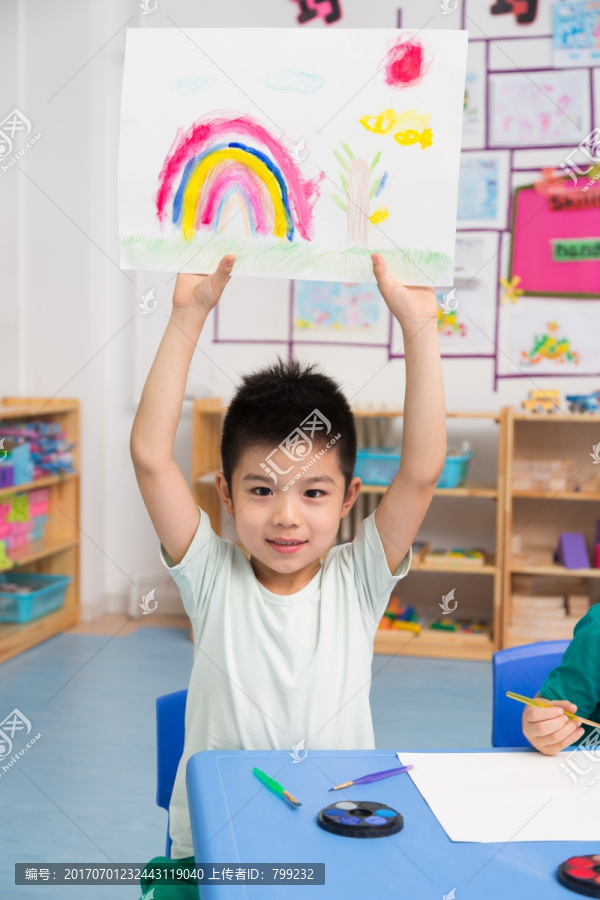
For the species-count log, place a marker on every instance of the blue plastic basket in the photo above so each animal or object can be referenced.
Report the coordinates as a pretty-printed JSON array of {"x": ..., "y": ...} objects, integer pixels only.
[
  {"x": 48, "y": 594},
  {"x": 379, "y": 465}
]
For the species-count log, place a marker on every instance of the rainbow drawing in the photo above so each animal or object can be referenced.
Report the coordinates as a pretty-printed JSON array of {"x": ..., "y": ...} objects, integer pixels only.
[{"x": 221, "y": 157}]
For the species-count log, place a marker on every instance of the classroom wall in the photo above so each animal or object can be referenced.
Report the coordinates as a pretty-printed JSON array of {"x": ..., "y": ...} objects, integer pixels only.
[{"x": 69, "y": 321}]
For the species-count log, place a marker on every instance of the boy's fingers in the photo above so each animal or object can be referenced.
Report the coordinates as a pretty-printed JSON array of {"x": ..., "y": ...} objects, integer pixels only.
[
  {"x": 384, "y": 280},
  {"x": 555, "y": 746},
  {"x": 542, "y": 713},
  {"x": 553, "y": 727}
]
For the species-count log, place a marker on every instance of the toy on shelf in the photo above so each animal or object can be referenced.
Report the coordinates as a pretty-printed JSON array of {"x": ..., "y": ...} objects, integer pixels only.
[
  {"x": 458, "y": 556},
  {"x": 572, "y": 551},
  {"x": 584, "y": 403},
  {"x": 542, "y": 401},
  {"x": 399, "y": 615},
  {"x": 466, "y": 626}
]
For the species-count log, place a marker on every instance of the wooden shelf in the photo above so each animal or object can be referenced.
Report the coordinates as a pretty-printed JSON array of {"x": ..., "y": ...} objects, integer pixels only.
[
  {"x": 551, "y": 569},
  {"x": 430, "y": 642},
  {"x": 562, "y": 416},
  {"x": 537, "y": 527},
  {"x": 39, "y": 550},
  {"x": 48, "y": 481},
  {"x": 56, "y": 554},
  {"x": 557, "y": 495}
]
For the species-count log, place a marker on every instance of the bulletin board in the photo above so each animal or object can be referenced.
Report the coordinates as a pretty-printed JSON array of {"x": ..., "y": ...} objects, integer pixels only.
[
  {"x": 560, "y": 256},
  {"x": 553, "y": 303}
]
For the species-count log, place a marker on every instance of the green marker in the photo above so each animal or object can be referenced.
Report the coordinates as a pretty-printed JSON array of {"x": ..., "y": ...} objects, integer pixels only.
[{"x": 275, "y": 787}]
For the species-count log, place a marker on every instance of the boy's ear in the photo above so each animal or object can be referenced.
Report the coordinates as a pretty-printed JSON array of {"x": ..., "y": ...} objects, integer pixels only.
[
  {"x": 351, "y": 495},
  {"x": 223, "y": 490}
]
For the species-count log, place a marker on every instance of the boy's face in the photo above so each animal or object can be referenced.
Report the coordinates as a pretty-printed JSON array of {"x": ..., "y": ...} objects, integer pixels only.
[{"x": 307, "y": 511}]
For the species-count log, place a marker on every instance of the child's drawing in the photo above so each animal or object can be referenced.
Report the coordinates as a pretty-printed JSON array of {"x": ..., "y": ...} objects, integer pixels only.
[
  {"x": 330, "y": 310},
  {"x": 539, "y": 108},
  {"x": 483, "y": 190},
  {"x": 549, "y": 336},
  {"x": 241, "y": 149},
  {"x": 550, "y": 346},
  {"x": 336, "y": 306}
]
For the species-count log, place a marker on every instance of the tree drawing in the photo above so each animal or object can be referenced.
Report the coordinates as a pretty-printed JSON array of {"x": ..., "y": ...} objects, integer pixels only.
[{"x": 355, "y": 178}]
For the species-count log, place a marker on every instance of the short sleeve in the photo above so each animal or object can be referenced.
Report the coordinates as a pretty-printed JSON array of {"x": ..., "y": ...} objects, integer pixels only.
[
  {"x": 372, "y": 577},
  {"x": 577, "y": 678},
  {"x": 196, "y": 573}
]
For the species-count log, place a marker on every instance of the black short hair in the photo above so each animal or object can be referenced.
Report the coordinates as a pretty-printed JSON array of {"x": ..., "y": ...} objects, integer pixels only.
[{"x": 271, "y": 402}]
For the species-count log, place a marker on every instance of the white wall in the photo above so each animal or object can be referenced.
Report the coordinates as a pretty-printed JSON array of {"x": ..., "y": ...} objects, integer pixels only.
[{"x": 68, "y": 313}]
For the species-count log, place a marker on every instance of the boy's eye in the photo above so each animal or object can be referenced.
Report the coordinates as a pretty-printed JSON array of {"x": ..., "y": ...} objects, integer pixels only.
[{"x": 312, "y": 491}]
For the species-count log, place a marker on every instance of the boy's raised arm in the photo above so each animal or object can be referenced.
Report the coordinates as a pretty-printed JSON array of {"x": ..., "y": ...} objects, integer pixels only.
[
  {"x": 403, "y": 506},
  {"x": 168, "y": 498}
]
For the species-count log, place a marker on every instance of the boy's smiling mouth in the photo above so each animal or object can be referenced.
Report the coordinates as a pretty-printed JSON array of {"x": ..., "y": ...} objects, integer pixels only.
[{"x": 283, "y": 545}]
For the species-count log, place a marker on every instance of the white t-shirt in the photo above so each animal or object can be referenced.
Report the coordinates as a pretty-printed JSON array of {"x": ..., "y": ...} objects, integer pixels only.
[{"x": 270, "y": 671}]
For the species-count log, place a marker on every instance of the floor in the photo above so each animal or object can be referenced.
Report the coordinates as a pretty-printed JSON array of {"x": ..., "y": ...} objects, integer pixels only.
[{"x": 85, "y": 791}]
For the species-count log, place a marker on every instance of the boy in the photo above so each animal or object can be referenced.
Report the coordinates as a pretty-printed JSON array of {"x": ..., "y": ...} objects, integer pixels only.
[
  {"x": 578, "y": 678},
  {"x": 263, "y": 674}
]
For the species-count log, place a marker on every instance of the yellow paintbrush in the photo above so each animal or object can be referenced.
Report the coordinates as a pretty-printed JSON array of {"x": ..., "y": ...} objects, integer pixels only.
[{"x": 569, "y": 715}]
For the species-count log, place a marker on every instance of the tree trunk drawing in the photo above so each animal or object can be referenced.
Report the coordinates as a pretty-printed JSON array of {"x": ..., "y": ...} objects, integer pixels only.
[{"x": 358, "y": 204}]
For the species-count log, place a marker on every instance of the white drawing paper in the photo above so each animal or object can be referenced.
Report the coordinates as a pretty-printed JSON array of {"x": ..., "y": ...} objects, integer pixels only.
[{"x": 302, "y": 151}]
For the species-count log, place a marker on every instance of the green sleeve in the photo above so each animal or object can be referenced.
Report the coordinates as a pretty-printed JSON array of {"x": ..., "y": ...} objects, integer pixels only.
[{"x": 577, "y": 678}]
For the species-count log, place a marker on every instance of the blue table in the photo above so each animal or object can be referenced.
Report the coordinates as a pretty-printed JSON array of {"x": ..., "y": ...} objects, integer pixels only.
[{"x": 235, "y": 820}]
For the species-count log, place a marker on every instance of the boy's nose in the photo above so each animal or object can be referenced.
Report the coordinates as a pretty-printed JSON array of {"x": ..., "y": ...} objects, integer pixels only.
[{"x": 286, "y": 512}]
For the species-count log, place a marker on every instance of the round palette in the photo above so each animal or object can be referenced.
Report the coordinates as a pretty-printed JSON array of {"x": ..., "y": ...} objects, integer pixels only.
[
  {"x": 360, "y": 818},
  {"x": 581, "y": 874}
]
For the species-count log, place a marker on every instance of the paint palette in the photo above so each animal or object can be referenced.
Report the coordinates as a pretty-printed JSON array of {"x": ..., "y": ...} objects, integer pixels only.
[
  {"x": 581, "y": 874},
  {"x": 360, "y": 818}
]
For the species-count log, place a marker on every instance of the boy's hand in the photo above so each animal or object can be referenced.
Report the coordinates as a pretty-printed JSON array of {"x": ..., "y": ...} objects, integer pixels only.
[
  {"x": 202, "y": 292},
  {"x": 416, "y": 305},
  {"x": 548, "y": 729}
]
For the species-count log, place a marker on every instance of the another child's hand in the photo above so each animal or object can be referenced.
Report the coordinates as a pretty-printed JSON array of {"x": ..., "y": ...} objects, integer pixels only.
[
  {"x": 410, "y": 305},
  {"x": 202, "y": 292},
  {"x": 548, "y": 729}
]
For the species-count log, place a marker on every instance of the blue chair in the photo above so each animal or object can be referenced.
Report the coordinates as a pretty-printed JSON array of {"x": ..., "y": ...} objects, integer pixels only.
[
  {"x": 522, "y": 670},
  {"x": 170, "y": 732}
]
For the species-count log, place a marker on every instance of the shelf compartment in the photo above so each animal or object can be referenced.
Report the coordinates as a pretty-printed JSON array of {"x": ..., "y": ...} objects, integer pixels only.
[{"x": 440, "y": 644}]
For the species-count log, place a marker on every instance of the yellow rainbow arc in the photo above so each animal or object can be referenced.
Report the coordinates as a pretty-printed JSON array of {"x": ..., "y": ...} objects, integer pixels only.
[{"x": 216, "y": 158}]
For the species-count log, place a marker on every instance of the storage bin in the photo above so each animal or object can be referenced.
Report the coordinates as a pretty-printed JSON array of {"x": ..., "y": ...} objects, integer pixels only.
[
  {"x": 47, "y": 595},
  {"x": 379, "y": 465}
]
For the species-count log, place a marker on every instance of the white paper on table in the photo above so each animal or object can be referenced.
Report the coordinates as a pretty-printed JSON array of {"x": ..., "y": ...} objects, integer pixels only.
[
  {"x": 498, "y": 797},
  {"x": 289, "y": 148}
]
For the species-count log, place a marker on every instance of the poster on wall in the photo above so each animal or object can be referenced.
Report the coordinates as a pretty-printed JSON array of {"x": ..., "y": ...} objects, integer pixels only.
[
  {"x": 555, "y": 247},
  {"x": 576, "y": 33},
  {"x": 300, "y": 150},
  {"x": 549, "y": 337},
  {"x": 483, "y": 189},
  {"x": 326, "y": 311},
  {"x": 473, "y": 131},
  {"x": 539, "y": 109},
  {"x": 467, "y": 312}
]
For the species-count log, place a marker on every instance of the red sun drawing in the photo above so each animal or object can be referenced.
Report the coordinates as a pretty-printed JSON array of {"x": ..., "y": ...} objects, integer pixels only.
[{"x": 405, "y": 64}]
